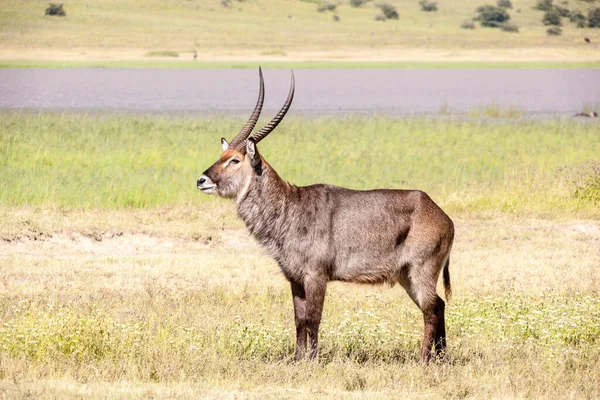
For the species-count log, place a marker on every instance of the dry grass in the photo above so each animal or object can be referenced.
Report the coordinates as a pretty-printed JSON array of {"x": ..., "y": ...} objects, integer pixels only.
[
  {"x": 131, "y": 304},
  {"x": 275, "y": 30},
  {"x": 498, "y": 254}
]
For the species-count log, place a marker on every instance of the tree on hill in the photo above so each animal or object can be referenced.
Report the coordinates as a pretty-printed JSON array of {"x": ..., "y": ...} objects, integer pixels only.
[
  {"x": 594, "y": 18},
  {"x": 389, "y": 11},
  {"x": 552, "y": 17},
  {"x": 56, "y": 9},
  {"x": 492, "y": 16},
  {"x": 428, "y": 6}
]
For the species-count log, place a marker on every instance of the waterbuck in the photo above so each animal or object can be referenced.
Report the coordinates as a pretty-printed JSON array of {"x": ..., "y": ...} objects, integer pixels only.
[{"x": 321, "y": 233}]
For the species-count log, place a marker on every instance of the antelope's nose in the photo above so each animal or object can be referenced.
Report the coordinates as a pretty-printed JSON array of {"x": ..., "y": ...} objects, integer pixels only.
[{"x": 204, "y": 183}]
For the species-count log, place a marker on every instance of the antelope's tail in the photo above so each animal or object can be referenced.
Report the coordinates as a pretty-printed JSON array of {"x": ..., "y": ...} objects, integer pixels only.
[{"x": 447, "y": 286}]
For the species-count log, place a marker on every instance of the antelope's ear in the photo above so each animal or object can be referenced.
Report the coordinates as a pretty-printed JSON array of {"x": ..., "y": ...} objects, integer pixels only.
[
  {"x": 252, "y": 152},
  {"x": 224, "y": 144}
]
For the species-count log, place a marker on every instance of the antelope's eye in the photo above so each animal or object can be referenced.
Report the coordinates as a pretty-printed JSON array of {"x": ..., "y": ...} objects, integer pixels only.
[{"x": 234, "y": 161}]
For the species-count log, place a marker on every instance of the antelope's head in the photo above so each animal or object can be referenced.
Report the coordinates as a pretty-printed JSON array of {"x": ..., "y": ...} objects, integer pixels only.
[{"x": 240, "y": 161}]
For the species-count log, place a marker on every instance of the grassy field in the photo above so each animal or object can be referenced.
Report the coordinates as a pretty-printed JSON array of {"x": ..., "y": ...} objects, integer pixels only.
[
  {"x": 479, "y": 165},
  {"x": 118, "y": 279},
  {"x": 293, "y": 30}
]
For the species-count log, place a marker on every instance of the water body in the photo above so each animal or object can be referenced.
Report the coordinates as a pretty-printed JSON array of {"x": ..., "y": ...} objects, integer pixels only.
[{"x": 396, "y": 92}]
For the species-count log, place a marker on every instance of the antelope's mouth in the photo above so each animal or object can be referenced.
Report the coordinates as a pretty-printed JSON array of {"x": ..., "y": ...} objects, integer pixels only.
[{"x": 208, "y": 189}]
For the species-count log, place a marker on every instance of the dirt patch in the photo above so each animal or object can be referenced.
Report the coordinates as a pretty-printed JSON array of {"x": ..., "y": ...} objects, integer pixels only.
[
  {"x": 119, "y": 244},
  {"x": 580, "y": 228},
  {"x": 238, "y": 239}
]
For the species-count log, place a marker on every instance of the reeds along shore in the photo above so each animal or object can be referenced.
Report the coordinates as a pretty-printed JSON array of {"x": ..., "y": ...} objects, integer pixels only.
[{"x": 544, "y": 168}]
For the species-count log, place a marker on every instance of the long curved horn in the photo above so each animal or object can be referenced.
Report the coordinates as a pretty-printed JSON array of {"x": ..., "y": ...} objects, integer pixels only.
[
  {"x": 239, "y": 142},
  {"x": 260, "y": 135}
]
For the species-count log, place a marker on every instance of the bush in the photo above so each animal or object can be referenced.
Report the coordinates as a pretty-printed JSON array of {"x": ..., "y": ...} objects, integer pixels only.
[
  {"x": 564, "y": 12},
  {"x": 552, "y": 17},
  {"x": 56, "y": 9},
  {"x": 388, "y": 11},
  {"x": 577, "y": 18},
  {"x": 380, "y": 17},
  {"x": 428, "y": 6},
  {"x": 508, "y": 27},
  {"x": 554, "y": 31},
  {"x": 543, "y": 5},
  {"x": 504, "y": 4},
  {"x": 467, "y": 25},
  {"x": 326, "y": 7},
  {"x": 575, "y": 15},
  {"x": 594, "y": 18},
  {"x": 358, "y": 3},
  {"x": 492, "y": 16}
]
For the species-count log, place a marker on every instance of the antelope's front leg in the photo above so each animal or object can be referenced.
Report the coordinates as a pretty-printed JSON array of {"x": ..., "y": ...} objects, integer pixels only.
[
  {"x": 315, "y": 297},
  {"x": 308, "y": 308},
  {"x": 299, "y": 296}
]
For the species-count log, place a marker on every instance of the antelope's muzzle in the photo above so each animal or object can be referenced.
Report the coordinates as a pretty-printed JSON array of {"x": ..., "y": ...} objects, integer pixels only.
[{"x": 205, "y": 184}]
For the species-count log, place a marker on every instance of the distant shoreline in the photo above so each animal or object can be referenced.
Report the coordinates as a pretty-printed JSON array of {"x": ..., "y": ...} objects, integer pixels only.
[{"x": 360, "y": 58}]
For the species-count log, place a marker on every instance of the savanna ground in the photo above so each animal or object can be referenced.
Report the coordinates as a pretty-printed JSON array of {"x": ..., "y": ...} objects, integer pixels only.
[
  {"x": 275, "y": 31},
  {"x": 120, "y": 280}
]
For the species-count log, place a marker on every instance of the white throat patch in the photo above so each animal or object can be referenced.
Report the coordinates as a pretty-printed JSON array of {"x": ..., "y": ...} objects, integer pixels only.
[{"x": 242, "y": 193}]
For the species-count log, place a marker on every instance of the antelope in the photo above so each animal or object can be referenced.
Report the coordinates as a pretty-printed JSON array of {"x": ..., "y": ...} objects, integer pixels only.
[{"x": 321, "y": 233}]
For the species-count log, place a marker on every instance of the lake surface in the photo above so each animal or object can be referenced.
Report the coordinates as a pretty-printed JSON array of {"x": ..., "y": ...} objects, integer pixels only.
[{"x": 397, "y": 92}]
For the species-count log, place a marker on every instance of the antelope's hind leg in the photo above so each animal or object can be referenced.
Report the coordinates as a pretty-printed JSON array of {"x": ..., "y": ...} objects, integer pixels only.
[
  {"x": 440, "y": 332},
  {"x": 435, "y": 331},
  {"x": 422, "y": 290}
]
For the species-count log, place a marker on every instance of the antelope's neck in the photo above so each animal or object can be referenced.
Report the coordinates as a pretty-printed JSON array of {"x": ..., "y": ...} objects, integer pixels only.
[{"x": 266, "y": 207}]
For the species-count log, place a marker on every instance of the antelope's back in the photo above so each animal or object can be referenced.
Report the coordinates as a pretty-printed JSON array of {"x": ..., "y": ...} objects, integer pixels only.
[{"x": 380, "y": 228}]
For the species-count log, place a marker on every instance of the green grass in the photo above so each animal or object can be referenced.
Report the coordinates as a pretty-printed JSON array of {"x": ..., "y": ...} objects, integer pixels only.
[
  {"x": 111, "y": 162},
  {"x": 250, "y": 28}
]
